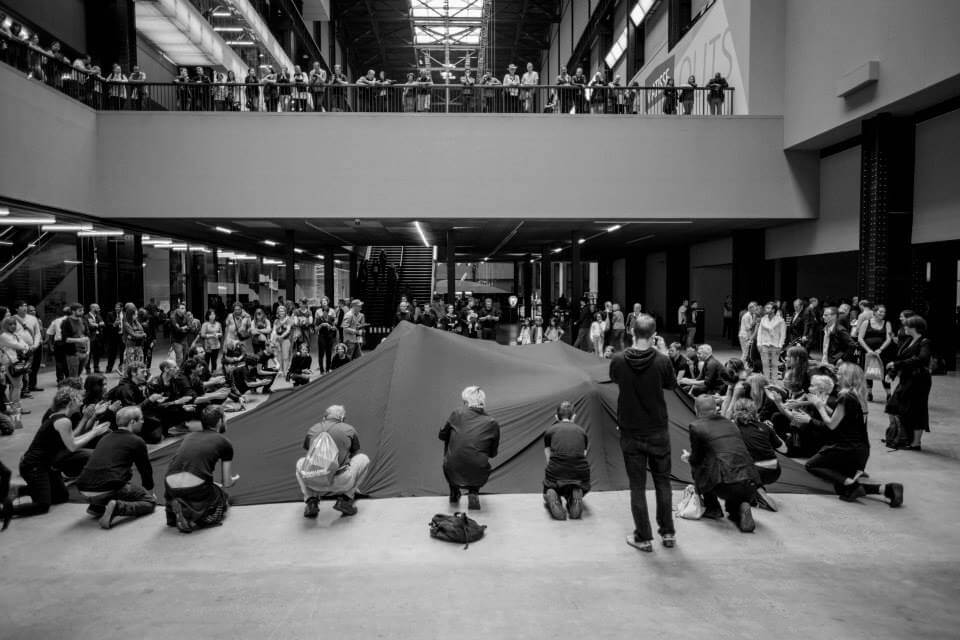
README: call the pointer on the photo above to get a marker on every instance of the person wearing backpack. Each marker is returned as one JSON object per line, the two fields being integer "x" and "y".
{"x": 470, "y": 438}
{"x": 333, "y": 465}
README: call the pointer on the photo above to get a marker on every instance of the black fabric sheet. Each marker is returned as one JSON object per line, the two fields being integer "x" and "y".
{"x": 399, "y": 396}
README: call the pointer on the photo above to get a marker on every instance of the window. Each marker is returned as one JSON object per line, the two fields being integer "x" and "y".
{"x": 639, "y": 11}
{"x": 457, "y": 25}
{"x": 616, "y": 51}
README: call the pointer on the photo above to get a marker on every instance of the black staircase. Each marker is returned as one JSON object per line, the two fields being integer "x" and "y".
{"x": 400, "y": 271}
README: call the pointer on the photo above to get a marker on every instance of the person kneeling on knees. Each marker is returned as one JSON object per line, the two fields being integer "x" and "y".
{"x": 721, "y": 465}
{"x": 193, "y": 499}
{"x": 470, "y": 438}
{"x": 105, "y": 481}
{"x": 333, "y": 465}
{"x": 567, "y": 474}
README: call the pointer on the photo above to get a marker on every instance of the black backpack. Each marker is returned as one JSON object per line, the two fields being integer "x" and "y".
{"x": 456, "y": 528}
{"x": 896, "y": 436}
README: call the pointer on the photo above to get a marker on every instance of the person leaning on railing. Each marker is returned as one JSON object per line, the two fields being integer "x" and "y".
{"x": 424, "y": 89}
{"x": 251, "y": 90}
{"x": 138, "y": 88}
{"x": 318, "y": 81}
{"x": 116, "y": 89}
{"x": 717, "y": 87}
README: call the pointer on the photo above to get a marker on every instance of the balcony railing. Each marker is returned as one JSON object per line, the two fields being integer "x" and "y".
{"x": 288, "y": 96}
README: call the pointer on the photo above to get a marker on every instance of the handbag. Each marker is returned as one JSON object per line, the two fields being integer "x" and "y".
{"x": 873, "y": 367}
{"x": 690, "y": 506}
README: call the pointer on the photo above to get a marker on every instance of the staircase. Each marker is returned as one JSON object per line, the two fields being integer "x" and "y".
{"x": 411, "y": 276}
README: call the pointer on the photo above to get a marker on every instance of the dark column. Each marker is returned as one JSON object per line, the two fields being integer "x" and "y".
{"x": 291, "y": 266}
{"x": 636, "y": 282}
{"x": 111, "y": 33}
{"x": 886, "y": 210}
{"x": 516, "y": 277}
{"x": 605, "y": 281}
{"x": 527, "y": 270}
{"x": 328, "y": 270}
{"x": 451, "y": 267}
{"x": 576, "y": 269}
{"x": 788, "y": 281}
{"x": 546, "y": 283}
{"x": 197, "y": 292}
{"x": 678, "y": 286}
{"x": 136, "y": 284}
{"x": 354, "y": 284}
{"x": 752, "y": 276}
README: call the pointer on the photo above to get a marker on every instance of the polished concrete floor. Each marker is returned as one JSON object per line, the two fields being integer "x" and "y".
{"x": 818, "y": 568}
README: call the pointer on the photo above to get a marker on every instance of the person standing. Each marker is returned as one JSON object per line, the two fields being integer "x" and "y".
{"x": 511, "y": 80}
{"x": 771, "y": 333}
{"x": 837, "y": 343}
{"x": 876, "y": 336}
{"x": 530, "y": 79}
{"x": 911, "y": 366}
{"x": 747, "y": 322}
{"x": 642, "y": 374}
{"x": 325, "y": 319}
{"x": 566, "y": 96}
{"x": 687, "y": 94}
{"x": 318, "y": 81}
{"x": 134, "y": 337}
{"x": 353, "y": 325}
{"x": 30, "y": 326}
{"x": 251, "y": 90}
{"x": 95, "y": 326}
{"x": 683, "y": 321}
{"x": 76, "y": 342}
{"x": 716, "y": 89}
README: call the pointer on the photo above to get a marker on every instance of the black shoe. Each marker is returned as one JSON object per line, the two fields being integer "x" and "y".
{"x": 7, "y": 513}
{"x": 345, "y": 506}
{"x": 669, "y": 540}
{"x": 32, "y": 389}
{"x": 643, "y": 545}
{"x": 713, "y": 514}
{"x": 746, "y": 523}
{"x": 853, "y": 492}
{"x": 24, "y": 412}
{"x": 25, "y": 396}
{"x": 575, "y": 504}
{"x": 312, "y": 510}
{"x": 106, "y": 520}
{"x": 473, "y": 501}
{"x": 552, "y": 502}
{"x": 454, "y": 495}
{"x": 909, "y": 447}
{"x": 894, "y": 493}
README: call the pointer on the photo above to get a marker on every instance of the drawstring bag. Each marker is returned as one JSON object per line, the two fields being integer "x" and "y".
{"x": 456, "y": 528}
{"x": 690, "y": 507}
{"x": 873, "y": 367}
{"x": 321, "y": 462}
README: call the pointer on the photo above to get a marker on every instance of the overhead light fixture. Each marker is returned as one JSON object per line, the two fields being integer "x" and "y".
{"x": 222, "y": 14}
{"x": 557, "y": 250}
{"x": 178, "y": 247}
{"x": 200, "y": 248}
{"x": 25, "y": 222}
{"x": 434, "y": 253}
{"x": 100, "y": 233}
{"x": 5, "y": 243}
{"x": 613, "y": 228}
{"x": 272, "y": 261}
{"x": 420, "y": 231}
{"x": 319, "y": 256}
{"x": 270, "y": 243}
{"x": 581, "y": 240}
{"x": 66, "y": 227}
{"x": 72, "y": 262}
{"x": 486, "y": 259}
{"x": 4, "y": 211}
{"x": 298, "y": 250}
{"x": 229, "y": 29}
{"x": 336, "y": 262}
{"x": 241, "y": 43}
{"x": 224, "y": 230}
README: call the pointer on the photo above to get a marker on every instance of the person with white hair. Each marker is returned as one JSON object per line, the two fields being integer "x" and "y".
{"x": 470, "y": 438}
{"x": 709, "y": 378}
{"x": 351, "y": 465}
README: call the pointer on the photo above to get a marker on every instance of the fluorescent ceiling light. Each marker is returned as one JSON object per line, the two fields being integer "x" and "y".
{"x": 4, "y": 211}
{"x": 200, "y": 248}
{"x": 581, "y": 240}
{"x": 646, "y": 237}
{"x": 557, "y": 250}
{"x": 178, "y": 247}
{"x": 23, "y": 221}
{"x": 72, "y": 262}
{"x": 270, "y": 243}
{"x": 222, "y": 14}
{"x": 229, "y": 29}
{"x": 613, "y": 228}
{"x": 486, "y": 259}
{"x": 66, "y": 227}
{"x": 5, "y": 243}
{"x": 241, "y": 43}
{"x": 319, "y": 257}
{"x": 297, "y": 250}
{"x": 224, "y": 230}
{"x": 101, "y": 232}
{"x": 272, "y": 261}
{"x": 420, "y": 231}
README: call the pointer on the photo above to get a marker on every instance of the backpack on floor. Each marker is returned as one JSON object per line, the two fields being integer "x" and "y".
{"x": 895, "y": 436}
{"x": 322, "y": 459}
{"x": 456, "y": 528}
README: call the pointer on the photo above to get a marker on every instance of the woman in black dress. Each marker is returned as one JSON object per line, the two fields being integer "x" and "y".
{"x": 911, "y": 367}
{"x": 875, "y": 336}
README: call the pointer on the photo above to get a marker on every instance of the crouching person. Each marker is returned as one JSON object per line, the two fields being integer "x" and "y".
{"x": 105, "y": 481}
{"x": 568, "y": 473}
{"x": 193, "y": 499}
{"x": 333, "y": 465}
{"x": 470, "y": 438}
{"x": 721, "y": 465}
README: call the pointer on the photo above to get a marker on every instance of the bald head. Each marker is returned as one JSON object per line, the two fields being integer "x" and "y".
{"x": 706, "y": 406}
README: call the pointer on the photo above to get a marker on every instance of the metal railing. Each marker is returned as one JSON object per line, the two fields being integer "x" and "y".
{"x": 420, "y": 97}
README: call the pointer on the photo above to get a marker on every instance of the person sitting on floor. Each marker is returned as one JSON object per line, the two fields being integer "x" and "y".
{"x": 55, "y": 449}
{"x": 709, "y": 378}
{"x": 351, "y": 465}
{"x": 129, "y": 392}
{"x": 763, "y": 443}
{"x": 843, "y": 460}
{"x": 244, "y": 378}
{"x": 177, "y": 392}
{"x": 300, "y": 364}
{"x": 682, "y": 366}
{"x": 568, "y": 472}
{"x": 340, "y": 356}
{"x": 470, "y": 438}
{"x": 105, "y": 481}
{"x": 212, "y": 391}
{"x": 721, "y": 465}
{"x": 193, "y": 499}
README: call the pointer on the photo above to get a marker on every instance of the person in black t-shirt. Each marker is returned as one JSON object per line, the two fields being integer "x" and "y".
{"x": 642, "y": 373}
{"x": 193, "y": 499}
{"x": 105, "y": 481}
{"x": 73, "y": 330}
{"x": 568, "y": 472}
{"x": 763, "y": 443}
{"x": 299, "y": 372}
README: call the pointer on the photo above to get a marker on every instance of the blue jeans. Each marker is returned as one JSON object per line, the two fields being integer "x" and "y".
{"x": 639, "y": 454}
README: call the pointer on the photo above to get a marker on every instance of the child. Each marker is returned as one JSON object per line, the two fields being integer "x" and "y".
{"x": 340, "y": 356}
{"x": 299, "y": 372}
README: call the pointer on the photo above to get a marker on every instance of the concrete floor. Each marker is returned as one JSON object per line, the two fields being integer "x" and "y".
{"x": 819, "y": 568}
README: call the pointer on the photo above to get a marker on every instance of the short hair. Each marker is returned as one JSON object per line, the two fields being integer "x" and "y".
{"x": 706, "y": 349}
{"x": 906, "y": 313}
{"x": 211, "y": 417}
{"x": 644, "y": 326}
{"x": 744, "y": 410}
{"x": 676, "y": 345}
{"x": 126, "y": 415}
{"x": 705, "y": 405}
{"x": 74, "y": 306}
{"x": 822, "y": 381}
{"x": 132, "y": 369}
{"x": 335, "y": 412}
{"x": 916, "y": 322}
{"x": 474, "y": 397}
{"x": 64, "y": 396}
{"x": 167, "y": 364}
{"x": 831, "y": 310}
{"x": 565, "y": 410}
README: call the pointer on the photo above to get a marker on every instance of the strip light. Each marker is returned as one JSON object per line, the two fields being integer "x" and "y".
{"x": 224, "y": 230}
{"x": 101, "y": 232}
{"x": 4, "y": 211}
{"x": 67, "y": 227}
{"x": 19, "y": 221}
{"x": 613, "y": 228}
{"x": 420, "y": 231}
{"x": 270, "y": 243}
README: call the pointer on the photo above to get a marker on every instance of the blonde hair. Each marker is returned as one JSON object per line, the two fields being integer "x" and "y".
{"x": 744, "y": 410}
{"x": 851, "y": 380}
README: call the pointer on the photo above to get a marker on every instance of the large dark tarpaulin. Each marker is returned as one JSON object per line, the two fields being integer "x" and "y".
{"x": 399, "y": 396}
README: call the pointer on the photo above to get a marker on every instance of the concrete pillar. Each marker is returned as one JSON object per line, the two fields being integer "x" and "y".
{"x": 546, "y": 282}
{"x": 451, "y": 242}
{"x": 328, "y": 271}
{"x": 291, "y": 268}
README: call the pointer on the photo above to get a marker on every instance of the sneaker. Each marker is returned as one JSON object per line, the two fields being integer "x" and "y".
{"x": 345, "y": 506}
{"x": 552, "y": 502}
{"x": 454, "y": 495}
{"x": 746, "y": 523}
{"x": 894, "y": 493}
{"x": 183, "y": 525}
{"x": 25, "y": 396}
{"x": 106, "y": 520}
{"x": 94, "y": 512}
{"x": 575, "y": 504}
{"x": 643, "y": 545}
{"x": 852, "y": 492}
{"x": 312, "y": 510}
{"x": 473, "y": 501}
{"x": 764, "y": 501}
{"x": 669, "y": 540}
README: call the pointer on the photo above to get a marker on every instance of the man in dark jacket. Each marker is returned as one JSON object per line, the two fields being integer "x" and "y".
{"x": 105, "y": 480}
{"x": 837, "y": 343}
{"x": 470, "y": 438}
{"x": 642, "y": 373}
{"x": 721, "y": 465}
{"x": 709, "y": 378}
{"x": 129, "y": 393}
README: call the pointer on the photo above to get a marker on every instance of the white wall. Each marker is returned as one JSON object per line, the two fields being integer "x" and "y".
{"x": 916, "y": 43}
{"x": 377, "y": 169}
{"x": 936, "y": 204}
{"x": 838, "y": 228}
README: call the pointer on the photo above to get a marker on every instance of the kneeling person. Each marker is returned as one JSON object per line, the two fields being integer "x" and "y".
{"x": 568, "y": 473}
{"x": 193, "y": 499}
{"x": 470, "y": 438}
{"x": 351, "y": 465}
{"x": 105, "y": 481}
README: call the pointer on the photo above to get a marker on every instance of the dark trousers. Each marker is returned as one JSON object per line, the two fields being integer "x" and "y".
{"x": 640, "y": 454}
{"x": 34, "y": 368}
{"x": 835, "y": 463}
{"x": 131, "y": 501}
{"x": 353, "y": 350}
{"x": 211, "y": 358}
{"x": 768, "y": 476}
{"x": 733, "y": 495}
{"x": 113, "y": 350}
{"x": 45, "y": 487}
{"x": 60, "y": 360}
{"x": 96, "y": 354}
{"x": 148, "y": 353}
{"x": 325, "y": 341}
